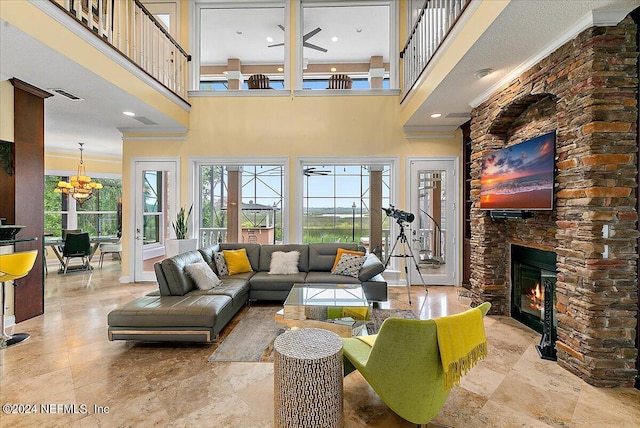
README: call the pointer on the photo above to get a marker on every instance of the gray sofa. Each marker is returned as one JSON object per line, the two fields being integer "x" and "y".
{"x": 179, "y": 311}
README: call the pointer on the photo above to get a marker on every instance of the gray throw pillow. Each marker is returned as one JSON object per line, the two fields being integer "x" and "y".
{"x": 202, "y": 275}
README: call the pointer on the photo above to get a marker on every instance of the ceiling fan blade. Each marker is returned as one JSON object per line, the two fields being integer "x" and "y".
{"x": 281, "y": 27}
{"x": 277, "y": 44}
{"x": 318, "y": 48}
{"x": 311, "y": 34}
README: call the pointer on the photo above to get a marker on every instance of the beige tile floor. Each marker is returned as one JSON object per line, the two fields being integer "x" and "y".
{"x": 69, "y": 361}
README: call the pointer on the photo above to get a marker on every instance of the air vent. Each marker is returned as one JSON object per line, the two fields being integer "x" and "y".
{"x": 459, "y": 115}
{"x": 144, "y": 120}
{"x": 66, "y": 94}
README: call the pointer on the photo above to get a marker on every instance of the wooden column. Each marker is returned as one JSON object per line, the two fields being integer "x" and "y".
{"x": 376, "y": 72}
{"x": 234, "y": 75}
{"x": 375, "y": 212}
{"x": 28, "y": 192}
{"x": 234, "y": 204}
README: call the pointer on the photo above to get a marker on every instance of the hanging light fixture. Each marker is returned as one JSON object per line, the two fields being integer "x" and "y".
{"x": 80, "y": 187}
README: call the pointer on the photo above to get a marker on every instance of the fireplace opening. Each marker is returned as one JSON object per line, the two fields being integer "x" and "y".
{"x": 533, "y": 296}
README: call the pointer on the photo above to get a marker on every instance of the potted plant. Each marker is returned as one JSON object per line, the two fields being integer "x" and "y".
{"x": 181, "y": 244}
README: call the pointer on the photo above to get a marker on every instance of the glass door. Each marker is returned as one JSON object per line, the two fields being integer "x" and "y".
{"x": 156, "y": 204}
{"x": 433, "y": 233}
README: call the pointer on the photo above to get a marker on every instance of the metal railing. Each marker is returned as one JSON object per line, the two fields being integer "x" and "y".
{"x": 435, "y": 20}
{"x": 131, "y": 29}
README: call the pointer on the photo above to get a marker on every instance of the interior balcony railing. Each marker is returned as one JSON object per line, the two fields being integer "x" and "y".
{"x": 131, "y": 29}
{"x": 434, "y": 21}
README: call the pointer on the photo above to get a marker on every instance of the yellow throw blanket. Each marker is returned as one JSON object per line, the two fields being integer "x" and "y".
{"x": 369, "y": 339}
{"x": 462, "y": 344}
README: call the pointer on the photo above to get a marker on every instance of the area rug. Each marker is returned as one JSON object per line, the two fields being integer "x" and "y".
{"x": 379, "y": 315}
{"x": 250, "y": 339}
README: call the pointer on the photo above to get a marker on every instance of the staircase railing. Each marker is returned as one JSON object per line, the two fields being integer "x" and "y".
{"x": 131, "y": 29}
{"x": 434, "y": 21}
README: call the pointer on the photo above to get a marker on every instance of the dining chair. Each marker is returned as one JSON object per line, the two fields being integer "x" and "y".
{"x": 110, "y": 248}
{"x": 340, "y": 81}
{"x": 258, "y": 81}
{"x": 77, "y": 245}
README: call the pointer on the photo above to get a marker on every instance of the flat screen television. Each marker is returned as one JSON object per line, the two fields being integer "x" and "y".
{"x": 520, "y": 177}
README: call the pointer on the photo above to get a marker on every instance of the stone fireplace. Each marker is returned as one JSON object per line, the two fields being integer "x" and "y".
{"x": 585, "y": 91}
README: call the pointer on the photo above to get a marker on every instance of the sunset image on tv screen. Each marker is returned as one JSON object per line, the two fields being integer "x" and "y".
{"x": 520, "y": 176}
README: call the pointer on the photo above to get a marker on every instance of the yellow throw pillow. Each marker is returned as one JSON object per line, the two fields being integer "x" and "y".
{"x": 237, "y": 261}
{"x": 342, "y": 251}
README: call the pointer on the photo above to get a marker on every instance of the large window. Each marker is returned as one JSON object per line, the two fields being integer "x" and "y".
{"x": 241, "y": 38}
{"x": 237, "y": 42}
{"x": 346, "y": 38}
{"x": 336, "y": 203}
{"x": 100, "y": 216}
{"x": 262, "y": 202}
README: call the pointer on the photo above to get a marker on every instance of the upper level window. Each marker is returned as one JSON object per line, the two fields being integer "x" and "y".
{"x": 236, "y": 43}
{"x": 348, "y": 38}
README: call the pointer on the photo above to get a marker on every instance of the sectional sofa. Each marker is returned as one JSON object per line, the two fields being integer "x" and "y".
{"x": 183, "y": 310}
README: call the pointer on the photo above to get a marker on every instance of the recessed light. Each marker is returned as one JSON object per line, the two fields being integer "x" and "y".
{"x": 280, "y": 69}
{"x": 239, "y": 33}
{"x": 436, "y": 115}
{"x": 358, "y": 30}
{"x": 334, "y": 39}
{"x": 333, "y": 69}
{"x": 128, "y": 113}
{"x": 482, "y": 73}
{"x": 269, "y": 39}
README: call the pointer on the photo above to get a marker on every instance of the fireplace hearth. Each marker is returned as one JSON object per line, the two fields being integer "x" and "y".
{"x": 533, "y": 297}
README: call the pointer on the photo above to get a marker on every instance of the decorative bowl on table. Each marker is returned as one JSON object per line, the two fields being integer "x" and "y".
{"x": 9, "y": 231}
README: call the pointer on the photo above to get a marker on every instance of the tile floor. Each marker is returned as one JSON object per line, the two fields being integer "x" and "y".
{"x": 69, "y": 362}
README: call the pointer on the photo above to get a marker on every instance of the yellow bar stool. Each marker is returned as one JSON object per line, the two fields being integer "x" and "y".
{"x": 14, "y": 266}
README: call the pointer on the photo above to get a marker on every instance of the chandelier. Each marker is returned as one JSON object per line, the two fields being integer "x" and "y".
{"x": 80, "y": 186}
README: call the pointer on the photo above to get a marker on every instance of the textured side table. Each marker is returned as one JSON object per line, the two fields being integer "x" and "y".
{"x": 307, "y": 372}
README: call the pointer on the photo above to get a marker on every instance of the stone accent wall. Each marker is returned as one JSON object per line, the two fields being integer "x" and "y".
{"x": 586, "y": 92}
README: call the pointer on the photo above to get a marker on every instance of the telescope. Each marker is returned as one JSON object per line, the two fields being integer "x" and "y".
{"x": 399, "y": 214}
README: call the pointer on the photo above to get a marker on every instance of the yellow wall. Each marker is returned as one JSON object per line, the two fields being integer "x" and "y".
{"x": 6, "y": 111}
{"x": 95, "y": 165}
{"x": 349, "y": 127}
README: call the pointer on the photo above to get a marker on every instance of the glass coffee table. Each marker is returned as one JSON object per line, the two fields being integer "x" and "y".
{"x": 341, "y": 308}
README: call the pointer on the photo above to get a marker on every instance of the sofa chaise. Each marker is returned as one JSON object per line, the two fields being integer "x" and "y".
{"x": 181, "y": 310}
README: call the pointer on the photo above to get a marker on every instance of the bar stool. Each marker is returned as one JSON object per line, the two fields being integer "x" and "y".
{"x": 14, "y": 266}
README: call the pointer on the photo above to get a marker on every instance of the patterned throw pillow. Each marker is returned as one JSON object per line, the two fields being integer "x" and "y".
{"x": 221, "y": 263}
{"x": 342, "y": 251}
{"x": 349, "y": 265}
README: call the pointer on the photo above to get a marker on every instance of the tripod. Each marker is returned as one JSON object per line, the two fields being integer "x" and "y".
{"x": 402, "y": 239}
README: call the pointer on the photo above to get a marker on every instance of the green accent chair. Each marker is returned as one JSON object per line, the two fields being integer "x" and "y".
{"x": 403, "y": 366}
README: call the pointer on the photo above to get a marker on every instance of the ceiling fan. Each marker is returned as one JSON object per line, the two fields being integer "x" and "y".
{"x": 312, "y": 170}
{"x": 304, "y": 40}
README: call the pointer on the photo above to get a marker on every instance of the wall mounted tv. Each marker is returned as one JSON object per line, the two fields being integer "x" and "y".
{"x": 520, "y": 177}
